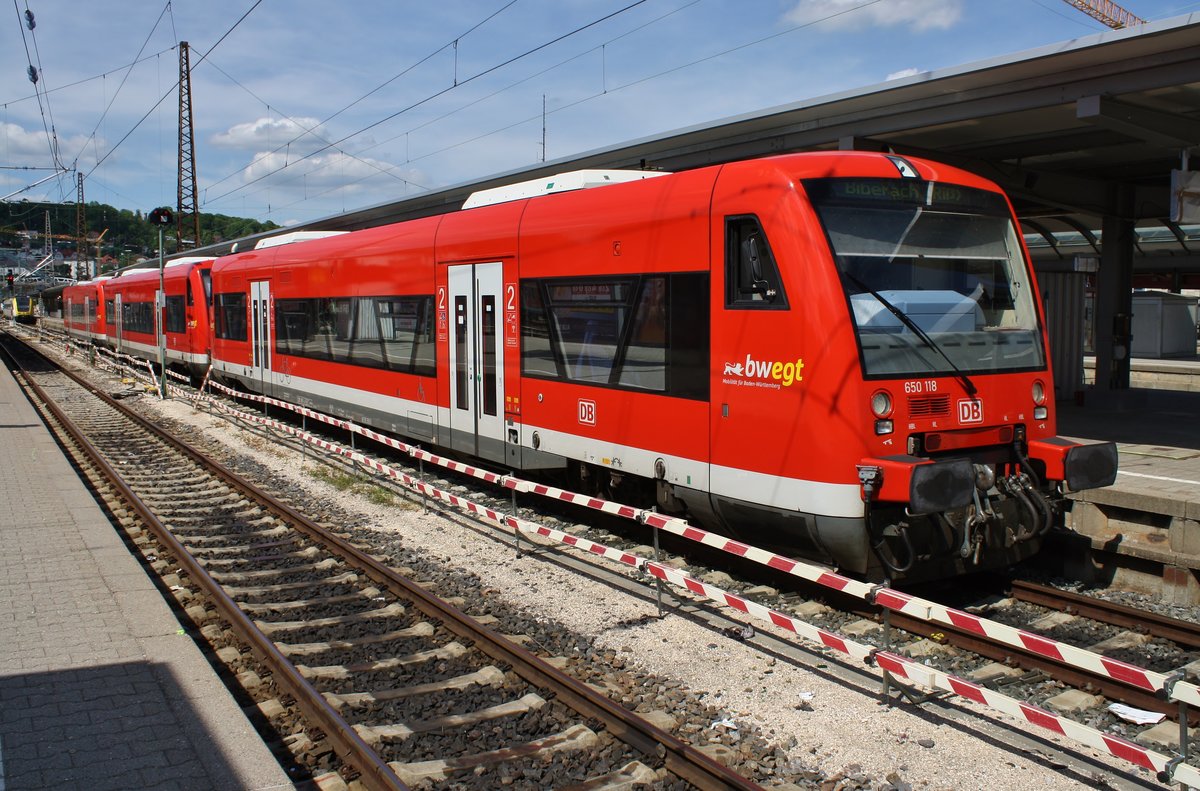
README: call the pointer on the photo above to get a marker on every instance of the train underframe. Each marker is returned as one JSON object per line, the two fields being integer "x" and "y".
{"x": 1009, "y": 513}
{"x": 1000, "y": 521}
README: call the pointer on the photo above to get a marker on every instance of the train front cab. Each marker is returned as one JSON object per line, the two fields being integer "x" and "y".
{"x": 187, "y": 314}
{"x": 21, "y": 308}
{"x": 889, "y": 365}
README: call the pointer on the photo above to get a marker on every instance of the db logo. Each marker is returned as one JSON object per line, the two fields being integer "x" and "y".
{"x": 587, "y": 412}
{"x": 970, "y": 411}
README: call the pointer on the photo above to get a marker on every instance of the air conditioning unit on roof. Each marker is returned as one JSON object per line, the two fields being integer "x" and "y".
{"x": 560, "y": 182}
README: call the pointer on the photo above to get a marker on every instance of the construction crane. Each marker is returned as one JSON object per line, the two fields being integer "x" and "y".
{"x": 1107, "y": 12}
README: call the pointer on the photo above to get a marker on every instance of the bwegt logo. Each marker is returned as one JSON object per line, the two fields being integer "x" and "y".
{"x": 786, "y": 374}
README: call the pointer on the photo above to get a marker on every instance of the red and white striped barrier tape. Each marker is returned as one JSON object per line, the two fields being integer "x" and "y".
{"x": 1174, "y": 689}
{"x": 1169, "y": 769}
{"x": 1124, "y": 672}
{"x": 682, "y": 528}
{"x": 404, "y": 447}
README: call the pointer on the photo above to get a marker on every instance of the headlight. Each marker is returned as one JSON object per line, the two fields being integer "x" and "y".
{"x": 1039, "y": 392}
{"x": 881, "y": 403}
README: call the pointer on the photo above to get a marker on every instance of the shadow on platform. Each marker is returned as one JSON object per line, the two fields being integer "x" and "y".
{"x": 1166, "y": 418}
{"x": 106, "y": 728}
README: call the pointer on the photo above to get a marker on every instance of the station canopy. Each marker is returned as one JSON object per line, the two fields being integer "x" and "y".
{"x": 1074, "y": 132}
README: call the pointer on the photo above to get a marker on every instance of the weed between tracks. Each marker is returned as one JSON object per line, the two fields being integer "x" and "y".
{"x": 348, "y": 482}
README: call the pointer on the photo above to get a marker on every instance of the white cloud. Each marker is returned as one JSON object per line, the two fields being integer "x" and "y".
{"x": 319, "y": 171}
{"x": 269, "y": 132}
{"x": 917, "y": 15}
{"x": 31, "y": 147}
{"x": 899, "y": 75}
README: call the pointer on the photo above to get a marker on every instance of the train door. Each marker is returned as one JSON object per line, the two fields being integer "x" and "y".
{"x": 88, "y": 330}
{"x": 118, "y": 321}
{"x": 476, "y": 359}
{"x": 260, "y": 333}
{"x": 160, "y": 320}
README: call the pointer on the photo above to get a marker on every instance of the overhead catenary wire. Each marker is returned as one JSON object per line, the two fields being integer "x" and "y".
{"x": 308, "y": 130}
{"x": 606, "y": 90}
{"x": 128, "y": 71}
{"x": 442, "y": 92}
{"x": 35, "y": 73}
{"x": 172, "y": 89}
{"x": 85, "y": 80}
{"x": 420, "y": 61}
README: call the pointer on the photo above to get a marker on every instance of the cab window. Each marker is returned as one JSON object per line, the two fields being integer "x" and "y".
{"x": 751, "y": 276}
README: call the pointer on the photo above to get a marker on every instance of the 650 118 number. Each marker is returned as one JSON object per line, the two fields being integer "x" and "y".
{"x": 920, "y": 386}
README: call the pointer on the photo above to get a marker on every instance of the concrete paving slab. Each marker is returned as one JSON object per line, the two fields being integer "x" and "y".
{"x": 100, "y": 689}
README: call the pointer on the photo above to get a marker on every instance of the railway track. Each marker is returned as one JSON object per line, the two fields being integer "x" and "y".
{"x": 969, "y": 653}
{"x": 372, "y": 675}
{"x": 1180, "y": 632}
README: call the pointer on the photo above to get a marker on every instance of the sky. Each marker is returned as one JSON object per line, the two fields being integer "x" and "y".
{"x": 305, "y": 109}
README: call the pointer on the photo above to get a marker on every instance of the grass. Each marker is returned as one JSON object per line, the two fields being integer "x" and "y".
{"x": 348, "y": 482}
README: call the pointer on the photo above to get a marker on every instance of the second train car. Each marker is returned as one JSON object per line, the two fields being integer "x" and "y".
{"x": 838, "y": 354}
{"x": 119, "y": 312}
{"x": 182, "y": 322}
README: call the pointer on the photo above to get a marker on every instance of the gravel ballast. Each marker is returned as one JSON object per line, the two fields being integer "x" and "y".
{"x": 823, "y": 722}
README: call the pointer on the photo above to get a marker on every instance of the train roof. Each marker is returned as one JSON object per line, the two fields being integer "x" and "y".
{"x": 292, "y": 238}
{"x": 559, "y": 182}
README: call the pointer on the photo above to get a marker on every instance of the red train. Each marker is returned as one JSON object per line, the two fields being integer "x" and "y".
{"x": 91, "y": 309}
{"x": 839, "y": 353}
{"x": 84, "y": 314}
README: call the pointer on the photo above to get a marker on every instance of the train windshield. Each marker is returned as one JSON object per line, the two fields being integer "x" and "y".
{"x": 933, "y": 274}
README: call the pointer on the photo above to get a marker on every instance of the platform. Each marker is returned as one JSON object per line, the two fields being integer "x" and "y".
{"x": 100, "y": 686}
{"x": 1152, "y": 512}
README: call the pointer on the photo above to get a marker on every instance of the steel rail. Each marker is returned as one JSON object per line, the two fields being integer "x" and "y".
{"x": 349, "y": 745}
{"x": 1183, "y": 633}
{"x": 679, "y": 757}
{"x": 1070, "y": 674}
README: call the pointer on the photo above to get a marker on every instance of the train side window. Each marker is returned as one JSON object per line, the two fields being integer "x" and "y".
{"x": 406, "y": 333}
{"x": 230, "y": 316}
{"x": 589, "y": 318}
{"x": 176, "y": 320}
{"x": 537, "y": 353}
{"x": 689, "y": 332}
{"x": 206, "y": 281}
{"x": 293, "y": 326}
{"x": 138, "y": 317}
{"x": 395, "y": 333}
{"x": 110, "y": 313}
{"x": 751, "y": 275}
{"x": 644, "y": 361}
{"x": 640, "y": 332}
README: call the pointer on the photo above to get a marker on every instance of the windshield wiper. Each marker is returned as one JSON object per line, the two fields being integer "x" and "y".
{"x": 907, "y": 321}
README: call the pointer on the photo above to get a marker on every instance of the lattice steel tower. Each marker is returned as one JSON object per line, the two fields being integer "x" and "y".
{"x": 81, "y": 245}
{"x": 187, "y": 219}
